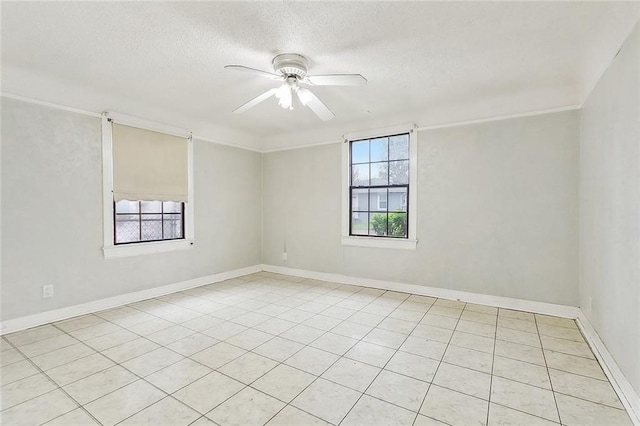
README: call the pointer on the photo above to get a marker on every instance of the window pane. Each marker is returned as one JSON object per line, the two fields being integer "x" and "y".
{"x": 378, "y": 200}
{"x": 379, "y": 173}
{"x": 359, "y": 152}
{"x": 359, "y": 200}
{"x": 126, "y": 206}
{"x": 127, "y": 228}
{"x": 151, "y": 206}
{"x": 379, "y": 149}
{"x": 171, "y": 207}
{"x": 172, "y": 226}
{"x": 399, "y": 147}
{"x": 398, "y": 172}
{"x": 360, "y": 175}
{"x": 397, "y": 199}
{"x": 359, "y": 223}
{"x": 397, "y": 224}
{"x": 378, "y": 224}
{"x": 152, "y": 227}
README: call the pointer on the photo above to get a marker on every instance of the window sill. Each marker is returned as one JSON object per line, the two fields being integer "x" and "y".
{"x": 138, "y": 249}
{"x": 390, "y": 243}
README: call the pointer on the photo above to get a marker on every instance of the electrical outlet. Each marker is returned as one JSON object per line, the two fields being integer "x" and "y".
{"x": 284, "y": 256}
{"x": 47, "y": 291}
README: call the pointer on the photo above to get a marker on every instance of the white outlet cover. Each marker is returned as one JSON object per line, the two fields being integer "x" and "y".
{"x": 284, "y": 256}
{"x": 47, "y": 291}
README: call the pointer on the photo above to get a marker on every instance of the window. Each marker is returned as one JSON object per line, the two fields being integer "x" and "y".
{"x": 139, "y": 221}
{"x": 380, "y": 188}
{"x": 147, "y": 187}
{"x": 380, "y": 184}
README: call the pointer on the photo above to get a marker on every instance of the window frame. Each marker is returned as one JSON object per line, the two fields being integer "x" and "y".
{"x": 408, "y": 243}
{"x": 110, "y": 248}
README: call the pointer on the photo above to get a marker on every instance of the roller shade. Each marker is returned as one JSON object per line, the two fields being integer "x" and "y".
{"x": 149, "y": 165}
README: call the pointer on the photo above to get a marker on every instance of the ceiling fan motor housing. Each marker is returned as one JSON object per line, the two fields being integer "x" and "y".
{"x": 291, "y": 64}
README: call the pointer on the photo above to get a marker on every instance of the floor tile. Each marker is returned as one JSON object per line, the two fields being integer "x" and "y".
{"x": 516, "y": 324}
{"x": 17, "y": 371}
{"x": 130, "y": 350}
{"x": 566, "y": 346}
{"x": 224, "y": 330}
{"x": 124, "y": 402}
{"x": 386, "y": 338}
{"x": 463, "y": 357}
{"x": 352, "y": 374}
{"x": 38, "y": 410}
{"x": 398, "y": 325}
{"x": 152, "y": 361}
{"x": 454, "y": 408}
{"x": 284, "y": 382}
{"x": 178, "y": 375}
{"x": 472, "y": 341}
{"x": 478, "y": 317}
{"x": 524, "y": 316}
{"x": 77, "y": 417}
{"x": 439, "y": 321}
{"x": 423, "y": 347}
{"x": 334, "y": 343}
{"x": 523, "y": 372}
{"x": 312, "y": 360}
{"x": 248, "y": 367}
{"x": 351, "y": 329}
{"x": 24, "y": 390}
{"x": 208, "y": 391}
{"x": 167, "y": 411}
{"x": 484, "y": 330}
{"x": 503, "y": 416}
{"x": 77, "y": 323}
{"x": 445, "y": 311}
{"x": 302, "y": 334}
{"x": 593, "y": 390}
{"x": 365, "y": 318}
{"x": 218, "y": 355}
{"x": 251, "y": 319}
{"x": 192, "y": 344}
{"x": 483, "y": 309}
{"x": 463, "y": 380}
{"x": 149, "y": 327}
{"x": 110, "y": 340}
{"x": 79, "y": 369}
{"x": 520, "y": 352}
{"x": 560, "y": 332}
{"x": 202, "y": 323}
{"x": 370, "y": 411}
{"x": 276, "y": 326}
{"x": 32, "y": 335}
{"x": 278, "y": 348}
{"x": 322, "y": 322}
{"x": 369, "y": 353}
{"x": 326, "y": 400}
{"x": 530, "y": 399}
{"x": 95, "y": 331}
{"x": 249, "y": 339}
{"x": 413, "y": 365}
{"x": 10, "y": 356}
{"x": 291, "y": 416}
{"x": 574, "y": 364}
{"x": 99, "y": 384}
{"x": 516, "y": 336}
{"x": 557, "y": 321}
{"x": 248, "y": 407}
{"x": 427, "y": 421}
{"x": 47, "y": 345}
{"x": 399, "y": 390}
{"x": 408, "y": 311}
{"x": 430, "y": 332}
{"x": 578, "y": 412}
{"x": 62, "y": 356}
{"x": 170, "y": 334}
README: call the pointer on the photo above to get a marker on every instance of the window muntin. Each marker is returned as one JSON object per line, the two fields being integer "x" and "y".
{"x": 379, "y": 186}
{"x": 145, "y": 221}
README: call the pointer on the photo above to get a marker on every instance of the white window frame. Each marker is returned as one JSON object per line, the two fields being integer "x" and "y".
{"x": 409, "y": 243}
{"x": 110, "y": 249}
{"x": 380, "y": 201}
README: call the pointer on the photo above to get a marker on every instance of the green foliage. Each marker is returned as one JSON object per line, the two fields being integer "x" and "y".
{"x": 397, "y": 224}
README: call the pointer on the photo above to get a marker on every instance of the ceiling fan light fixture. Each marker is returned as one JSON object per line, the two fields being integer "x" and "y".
{"x": 284, "y": 96}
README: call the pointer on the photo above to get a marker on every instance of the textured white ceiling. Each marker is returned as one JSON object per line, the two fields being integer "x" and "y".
{"x": 426, "y": 62}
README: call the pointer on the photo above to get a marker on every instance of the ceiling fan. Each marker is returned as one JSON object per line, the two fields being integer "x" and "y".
{"x": 291, "y": 69}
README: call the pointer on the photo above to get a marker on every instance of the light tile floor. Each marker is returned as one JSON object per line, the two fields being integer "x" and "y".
{"x": 279, "y": 350}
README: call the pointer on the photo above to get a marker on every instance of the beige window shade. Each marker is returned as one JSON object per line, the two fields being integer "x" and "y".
{"x": 149, "y": 165}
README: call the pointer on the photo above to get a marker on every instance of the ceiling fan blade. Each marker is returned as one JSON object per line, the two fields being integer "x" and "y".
{"x": 336, "y": 80}
{"x": 316, "y": 106}
{"x": 261, "y": 73}
{"x": 255, "y": 101}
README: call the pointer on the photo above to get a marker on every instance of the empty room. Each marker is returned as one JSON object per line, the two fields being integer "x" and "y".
{"x": 320, "y": 213}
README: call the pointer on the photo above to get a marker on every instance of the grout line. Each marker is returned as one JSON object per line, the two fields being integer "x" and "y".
{"x": 548, "y": 375}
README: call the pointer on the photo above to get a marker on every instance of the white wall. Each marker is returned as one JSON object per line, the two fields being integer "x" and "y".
{"x": 497, "y": 211}
{"x": 52, "y": 214}
{"x": 610, "y": 208}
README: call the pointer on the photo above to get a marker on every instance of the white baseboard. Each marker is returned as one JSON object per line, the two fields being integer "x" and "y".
{"x": 443, "y": 293}
{"x": 47, "y": 317}
{"x": 628, "y": 396}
